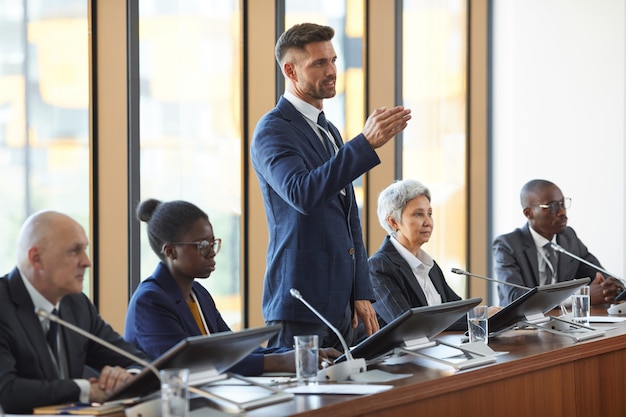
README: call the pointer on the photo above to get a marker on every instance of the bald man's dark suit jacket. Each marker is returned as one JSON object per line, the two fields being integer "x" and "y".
{"x": 28, "y": 375}
{"x": 515, "y": 257}
{"x": 396, "y": 287}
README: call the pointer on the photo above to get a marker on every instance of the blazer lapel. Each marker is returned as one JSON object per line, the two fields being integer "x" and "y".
{"x": 297, "y": 120}
{"x": 405, "y": 271}
{"x": 530, "y": 252}
{"x": 165, "y": 280}
{"x": 566, "y": 266}
{"x": 73, "y": 343}
{"x": 25, "y": 314}
{"x": 437, "y": 282}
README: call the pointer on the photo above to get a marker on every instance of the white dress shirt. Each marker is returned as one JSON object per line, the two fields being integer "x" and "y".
{"x": 545, "y": 267}
{"x": 420, "y": 266}
{"x": 40, "y": 302}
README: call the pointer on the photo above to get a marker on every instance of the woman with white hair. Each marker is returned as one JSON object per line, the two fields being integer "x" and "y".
{"x": 402, "y": 273}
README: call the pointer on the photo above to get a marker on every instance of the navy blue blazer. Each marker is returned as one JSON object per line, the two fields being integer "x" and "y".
{"x": 515, "y": 257}
{"x": 395, "y": 285}
{"x": 158, "y": 318}
{"x": 28, "y": 375}
{"x": 315, "y": 242}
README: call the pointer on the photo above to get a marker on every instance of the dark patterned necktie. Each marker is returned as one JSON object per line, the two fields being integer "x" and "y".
{"x": 323, "y": 123}
{"x": 551, "y": 257}
{"x": 51, "y": 336}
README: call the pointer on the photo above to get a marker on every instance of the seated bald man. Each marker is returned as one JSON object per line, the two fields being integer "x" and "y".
{"x": 51, "y": 263}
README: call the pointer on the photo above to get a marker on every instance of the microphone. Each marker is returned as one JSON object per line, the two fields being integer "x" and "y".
{"x": 462, "y": 272}
{"x": 621, "y": 296}
{"x": 578, "y": 258}
{"x": 53, "y": 317}
{"x": 341, "y": 371}
{"x": 41, "y": 312}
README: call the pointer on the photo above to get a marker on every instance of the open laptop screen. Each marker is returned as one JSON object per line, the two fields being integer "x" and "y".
{"x": 206, "y": 357}
{"x": 538, "y": 301}
{"x": 418, "y": 323}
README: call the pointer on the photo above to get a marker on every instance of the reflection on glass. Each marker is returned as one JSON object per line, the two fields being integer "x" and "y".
{"x": 346, "y": 109}
{"x": 191, "y": 139}
{"x": 44, "y": 115}
{"x": 434, "y": 144}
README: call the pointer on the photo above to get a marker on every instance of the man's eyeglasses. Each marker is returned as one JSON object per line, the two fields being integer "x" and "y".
{"x": 555, "y": 206}
{"x": 204, "y": 246}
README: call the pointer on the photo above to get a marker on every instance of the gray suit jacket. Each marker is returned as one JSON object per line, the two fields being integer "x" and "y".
{"x": 28, "y": 375}
{"x": 515, "y": 257}
{"x": 395, "y": 285}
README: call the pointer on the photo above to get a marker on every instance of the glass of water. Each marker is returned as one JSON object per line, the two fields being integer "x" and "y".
{"x": 581, "y": 305}
{"x": 307, "y": 352}
{"x": 477, "y": 324}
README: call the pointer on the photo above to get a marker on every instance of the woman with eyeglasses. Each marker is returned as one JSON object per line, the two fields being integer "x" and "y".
{"x": 171, "y": 304}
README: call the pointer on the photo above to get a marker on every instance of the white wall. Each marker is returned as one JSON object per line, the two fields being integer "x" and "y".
{"x": 558, "y": 111}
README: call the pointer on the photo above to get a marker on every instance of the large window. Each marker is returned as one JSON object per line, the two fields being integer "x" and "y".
{"x": 434, "y": 145}
{"x": 190, "y": 125}
{"x": 559, "y": 113}
{"x": 44, "y": 114}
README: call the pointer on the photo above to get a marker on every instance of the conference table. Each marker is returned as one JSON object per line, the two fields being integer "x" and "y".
{"x": 536, "y": 373}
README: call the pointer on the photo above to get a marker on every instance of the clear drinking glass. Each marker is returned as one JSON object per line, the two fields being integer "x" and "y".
{"x": 477, "y": 324}
{"x": 174, "y": 392}
{"x": 307, "y": 351}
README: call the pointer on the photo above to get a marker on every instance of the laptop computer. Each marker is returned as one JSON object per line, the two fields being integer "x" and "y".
{"x": 418, "y": 323}
{"x": 207, "y": 357}
{"x": 536, "y": 302}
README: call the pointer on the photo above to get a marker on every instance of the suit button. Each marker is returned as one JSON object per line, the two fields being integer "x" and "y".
{"x": 351, "y": 251}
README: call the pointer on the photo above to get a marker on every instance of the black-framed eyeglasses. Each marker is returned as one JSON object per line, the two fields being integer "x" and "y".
{"x": 204, "y": 246}
{"x": 555, "y": 206}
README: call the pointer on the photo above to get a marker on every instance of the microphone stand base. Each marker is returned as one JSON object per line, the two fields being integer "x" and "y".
{"x": 617, "y": 309}
{"x": 563, "y": 327}
{"x": 342, "y": 371}
{"x": 475, "y": 354}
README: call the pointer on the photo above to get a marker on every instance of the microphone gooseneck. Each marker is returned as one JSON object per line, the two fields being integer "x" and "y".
{"x": 296, "y": 294}
{"x": 342, "y": 371}
{"x": 578, "y": 258}
{"x": 469, "y": 274}
{"x": 100, "y": 341}
{"x": 621, "y": 296}
{"x": 114, "y": 348}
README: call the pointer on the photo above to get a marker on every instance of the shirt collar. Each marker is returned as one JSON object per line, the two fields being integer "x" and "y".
{"x": 39, "y": 301}
{"x": 540, "y": 241}
{"x": 413, "y": 261}
{"x": 309, "y": 111}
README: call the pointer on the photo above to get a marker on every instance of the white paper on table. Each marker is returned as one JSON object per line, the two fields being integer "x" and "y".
{"x": 354, "y": 389}
{"x": 606, "y": 319}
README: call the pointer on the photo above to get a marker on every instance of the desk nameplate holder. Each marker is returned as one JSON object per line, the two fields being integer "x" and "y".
{"x": 222, "y": 405}
{"x": 559, "y": 326}
{"x": 477, "y": 353}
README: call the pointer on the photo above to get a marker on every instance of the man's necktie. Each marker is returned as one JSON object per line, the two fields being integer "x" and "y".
{"x": 51, "y": 336}
{"x": 330, "y": 146}
{"x": 551, "y": 258}
{"x": 323, "y": 123}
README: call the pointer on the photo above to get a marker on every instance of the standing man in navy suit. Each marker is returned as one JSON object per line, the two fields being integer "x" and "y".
{"x": 305, "y": 172}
